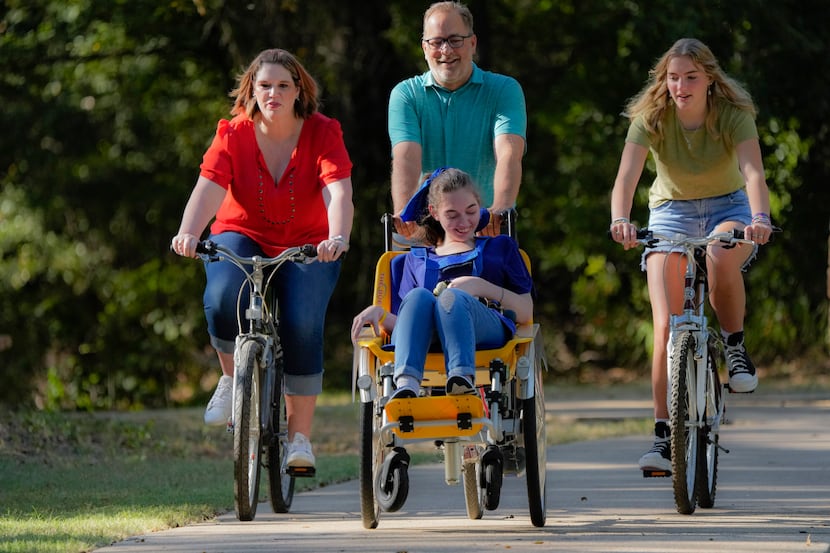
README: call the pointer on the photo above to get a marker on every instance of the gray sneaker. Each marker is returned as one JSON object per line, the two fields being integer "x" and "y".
{"x": 659, "y": 456}
{"x": 221, "y": 404}
{"x": 458, "y": 384}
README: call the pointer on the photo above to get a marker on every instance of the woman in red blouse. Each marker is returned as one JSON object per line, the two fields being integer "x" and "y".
{"x": 277, "y": 175}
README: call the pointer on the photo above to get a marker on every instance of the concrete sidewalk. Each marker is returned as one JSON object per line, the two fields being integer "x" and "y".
{"x": 773, "y": 496}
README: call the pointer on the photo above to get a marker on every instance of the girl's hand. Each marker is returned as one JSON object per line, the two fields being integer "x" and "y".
{"x": 373, "y": 315}
{"x": 760, "y": 233}
{"x": 623, "y": 232}
{"x": 475, "y": 286}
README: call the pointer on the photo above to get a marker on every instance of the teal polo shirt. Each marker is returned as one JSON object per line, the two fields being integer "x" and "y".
{"x": 457, "y": 128}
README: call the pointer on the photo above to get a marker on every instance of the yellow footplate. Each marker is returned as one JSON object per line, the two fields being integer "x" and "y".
{"x": 436, "y": 417}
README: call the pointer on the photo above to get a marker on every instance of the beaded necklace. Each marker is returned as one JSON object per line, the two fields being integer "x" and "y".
{"x": 261, "y": 197}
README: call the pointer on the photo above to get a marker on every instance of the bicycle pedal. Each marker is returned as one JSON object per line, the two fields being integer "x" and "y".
{"x": 301, "y": 472}
{"x": 656, "y": 473}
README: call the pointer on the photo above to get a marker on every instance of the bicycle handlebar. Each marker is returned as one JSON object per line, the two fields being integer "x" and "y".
{"x": 211, "y": 250}
{"x": 649, "y": 238}
{"x": 730, "y": 238}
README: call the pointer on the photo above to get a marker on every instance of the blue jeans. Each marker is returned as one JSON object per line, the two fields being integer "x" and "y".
{"x": 461, "y": 322}
{"x": 302, "y": 291}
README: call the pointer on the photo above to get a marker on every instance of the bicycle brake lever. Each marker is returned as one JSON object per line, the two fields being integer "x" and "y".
{"x": 737, "y": 234}
{"x": 207, "y": 247}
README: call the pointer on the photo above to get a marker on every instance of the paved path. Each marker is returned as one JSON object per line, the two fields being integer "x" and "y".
{"x": 773, "y": 496}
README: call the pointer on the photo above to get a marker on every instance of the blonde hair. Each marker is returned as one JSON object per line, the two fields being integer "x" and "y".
{"x": 653, "y": 100}
{"x": 243, "y": 95}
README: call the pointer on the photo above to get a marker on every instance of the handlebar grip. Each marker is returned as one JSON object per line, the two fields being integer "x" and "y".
{"x": 309, "y": 250}
{"x": 642, "y": 234}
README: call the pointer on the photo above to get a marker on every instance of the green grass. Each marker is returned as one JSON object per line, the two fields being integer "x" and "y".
{"x": 74, "y": 482}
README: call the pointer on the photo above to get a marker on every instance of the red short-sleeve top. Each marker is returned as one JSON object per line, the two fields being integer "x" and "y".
{"x": 292, "y": 211}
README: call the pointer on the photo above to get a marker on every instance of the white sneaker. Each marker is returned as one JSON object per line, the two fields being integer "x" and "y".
{"x": 299, "y": 452}
{"x": 220, "y": 405}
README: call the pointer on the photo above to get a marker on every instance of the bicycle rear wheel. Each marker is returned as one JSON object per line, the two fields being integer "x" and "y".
{"x": 369, "y": 462}
{"x": 247, "y": 435}
{"x": 683, "y": 419}
{"x": 281, "y": 484}
{"x": 707, "y": 478}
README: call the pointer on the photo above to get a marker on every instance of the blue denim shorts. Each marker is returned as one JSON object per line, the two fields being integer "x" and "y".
{"x": 696, "y": 218}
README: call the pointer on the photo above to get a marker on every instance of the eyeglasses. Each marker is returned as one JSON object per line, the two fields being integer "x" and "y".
{"x": 455, "y": 41}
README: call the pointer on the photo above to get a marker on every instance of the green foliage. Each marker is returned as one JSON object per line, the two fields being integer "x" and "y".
{"x": 109, "y": 106}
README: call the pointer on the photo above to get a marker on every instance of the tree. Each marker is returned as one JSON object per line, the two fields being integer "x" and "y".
{"x": 108, "y": 107}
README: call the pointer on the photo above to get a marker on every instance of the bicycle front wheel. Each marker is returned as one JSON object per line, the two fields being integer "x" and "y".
{"x": 683, "y": 422}
{"x": 535, "y": 443}
{"x": 280, "y": 482}
{"x": 707, "y": 478}
{"x": 247, "y": 435}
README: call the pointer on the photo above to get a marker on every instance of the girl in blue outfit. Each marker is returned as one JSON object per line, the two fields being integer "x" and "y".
{"x": 468, "y": 291}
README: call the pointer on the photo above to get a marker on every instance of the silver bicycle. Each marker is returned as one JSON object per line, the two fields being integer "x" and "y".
{"x": 695, "y": 393}
{"x": 260, "y": 434}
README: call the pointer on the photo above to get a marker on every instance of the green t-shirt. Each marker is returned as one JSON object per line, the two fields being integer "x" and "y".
{"x": 693, "y": 164}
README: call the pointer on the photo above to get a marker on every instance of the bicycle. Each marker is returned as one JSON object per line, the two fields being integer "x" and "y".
{"x": 695, "y": 393}
{"x": 260, "y": 435}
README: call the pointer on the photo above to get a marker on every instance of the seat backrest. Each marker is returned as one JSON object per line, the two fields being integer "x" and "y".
{"x": 396, "y": 271}
{"x": 388, "y": 273}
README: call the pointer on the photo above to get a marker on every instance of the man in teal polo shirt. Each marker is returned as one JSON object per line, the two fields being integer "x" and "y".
{"x": 456, "y": 115}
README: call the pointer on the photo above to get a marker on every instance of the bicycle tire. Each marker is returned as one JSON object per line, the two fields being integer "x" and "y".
{"x": 472, "y": 491}
{"x": 247, "y": 435}
{"x": 534, "y": 432}
{"x": 684, "y": 438}
{"x": 392, "y": 491}
{"x": 710, "y": 433}
{"x": 280, "y": 483}
{"x": 369, "y": 508}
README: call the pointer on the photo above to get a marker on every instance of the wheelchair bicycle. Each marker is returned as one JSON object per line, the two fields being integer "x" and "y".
{"x": 500, "y": 431}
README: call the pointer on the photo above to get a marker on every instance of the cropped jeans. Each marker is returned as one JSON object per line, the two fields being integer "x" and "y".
{"x": 302, "y": 291}
{"x": 461, "y": 322}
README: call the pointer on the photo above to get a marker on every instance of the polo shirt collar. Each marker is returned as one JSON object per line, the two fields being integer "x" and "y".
{"x": 476, "y": 77}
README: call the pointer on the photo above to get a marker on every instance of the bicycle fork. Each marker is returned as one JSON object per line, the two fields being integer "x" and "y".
{"x": 254, "y": 315}
{"x": 693, "y": 320}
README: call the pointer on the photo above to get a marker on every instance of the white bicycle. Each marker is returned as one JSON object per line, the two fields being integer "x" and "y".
{"x": 695, "y": 393}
